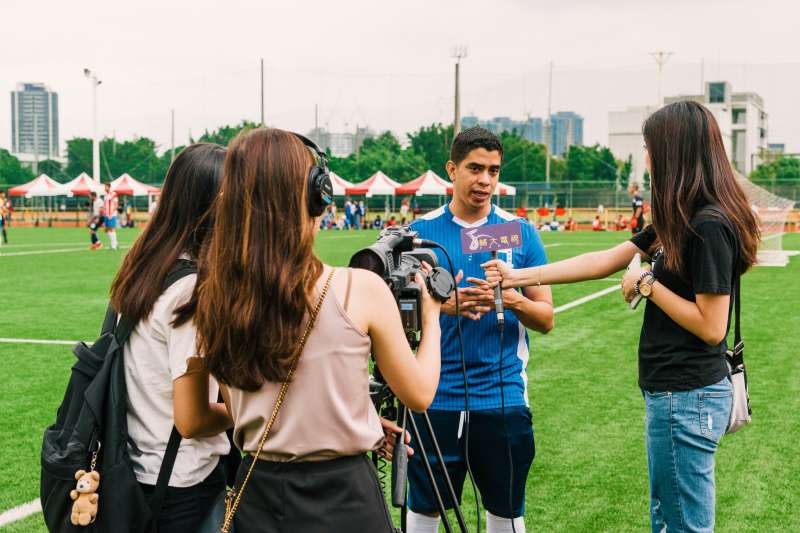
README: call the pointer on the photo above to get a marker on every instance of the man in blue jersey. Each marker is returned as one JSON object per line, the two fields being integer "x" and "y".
{"x": 499, "y": 417}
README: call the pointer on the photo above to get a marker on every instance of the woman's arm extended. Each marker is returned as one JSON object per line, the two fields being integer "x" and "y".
{"x": 591, "y": 265}
{"x": 413, "y": 379}
{"x": 195, "y": 415}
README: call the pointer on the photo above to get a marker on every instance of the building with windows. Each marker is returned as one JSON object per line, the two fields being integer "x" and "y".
{"x": 531, "y": 129}
{"x": 741, "y": 117}
{"x": 340, "y": 144}
{"x": 566, "y": 129}
{"x": 34, "y": 122}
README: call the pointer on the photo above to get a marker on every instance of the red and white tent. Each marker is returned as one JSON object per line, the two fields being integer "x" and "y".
{"x": 501, "y": 190}
{"x": 427, "y": 184}
{"x": 83, "y": 185}
{"x": 44, "y": 185}
{"x": 125, "y": 185}
{"x": 340, "y": 185}
{"x": 379, "y": 184}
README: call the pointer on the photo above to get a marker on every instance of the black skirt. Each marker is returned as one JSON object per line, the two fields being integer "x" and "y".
{"x": 337, "y": 496}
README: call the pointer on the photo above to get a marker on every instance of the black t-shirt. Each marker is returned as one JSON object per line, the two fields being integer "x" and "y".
{"x": 670, "y": 357}
{"x": 638, "y": 203}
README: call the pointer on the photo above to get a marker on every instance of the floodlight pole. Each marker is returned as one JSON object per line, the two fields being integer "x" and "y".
{"x": 95, "y": 142}
{"x": 548, "y": 127}
{"x": 661, "y": 58}
{"x": 262, "y": 91}
{"x": 459, "y": 52}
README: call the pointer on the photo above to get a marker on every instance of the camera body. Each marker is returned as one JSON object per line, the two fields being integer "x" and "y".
{"x": 396, "y": 258}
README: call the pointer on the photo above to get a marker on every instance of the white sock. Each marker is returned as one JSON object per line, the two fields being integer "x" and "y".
{"x": 420, "y": 523}
{"x": 112, "y": 235}
{"x": 495, "y": 524}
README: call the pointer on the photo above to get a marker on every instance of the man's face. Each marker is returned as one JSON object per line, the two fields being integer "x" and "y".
{"x": 475, "y": 178}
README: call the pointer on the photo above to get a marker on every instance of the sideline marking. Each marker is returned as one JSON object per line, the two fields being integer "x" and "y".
{"x": 27, "y": 509}
{"x": 59, "y": 251}
{"x": 588, "y": 298}
{"x": 21, "y": 511}
{"x": 10, "y": 340}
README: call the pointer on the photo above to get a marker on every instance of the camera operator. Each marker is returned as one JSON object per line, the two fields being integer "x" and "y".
{"x": 500, "y": 420}
{"x": 261, "y": 285}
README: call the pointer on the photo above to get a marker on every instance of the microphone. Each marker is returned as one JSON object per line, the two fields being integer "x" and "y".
{"x": 492, "y": 238}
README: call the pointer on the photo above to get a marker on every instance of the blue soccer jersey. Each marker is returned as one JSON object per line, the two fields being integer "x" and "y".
{"x": 481, "y": 338}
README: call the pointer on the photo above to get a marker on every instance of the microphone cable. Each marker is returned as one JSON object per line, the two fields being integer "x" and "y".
{"x": 478, "y": 505}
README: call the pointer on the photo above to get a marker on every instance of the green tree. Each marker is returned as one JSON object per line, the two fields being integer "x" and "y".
{"x": 523, "y": 160}
{"x": 432, "y": 143}
{"x": 225, "y": 134}
{"x": 79, "y": 156}
{"x": 590, "y": 163}
{"x": 380, "y": 153}
{"x": 625, "y": 169}
{"x": 781, "y": 169}
{"x": 11, "y": 170}
{"x": 54, "y": 169}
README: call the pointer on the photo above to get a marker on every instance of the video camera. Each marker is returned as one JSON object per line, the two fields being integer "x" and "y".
{"x": 394, "y": 258}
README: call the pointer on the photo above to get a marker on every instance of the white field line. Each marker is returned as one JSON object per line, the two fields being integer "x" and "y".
{"x": 10, "y": 340}
{"x": 59, "y": 251}
{"x": 20, "y": 512}
{"x": 27, "y": 509}
{"x": 553, "y": 245}
{"x": 34, "y": 244}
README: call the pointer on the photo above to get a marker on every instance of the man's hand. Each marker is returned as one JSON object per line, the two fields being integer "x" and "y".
{"x": 473, "y": 301}
{"x": 390, "y": 431}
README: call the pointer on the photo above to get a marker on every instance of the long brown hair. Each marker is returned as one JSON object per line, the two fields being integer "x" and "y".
{"x": 259, "y": 271}
{"x": 690, "y": 170}
{"x": 179, "y": 225}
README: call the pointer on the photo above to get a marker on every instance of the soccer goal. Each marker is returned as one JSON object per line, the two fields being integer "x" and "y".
{"x": 772, "y": 210}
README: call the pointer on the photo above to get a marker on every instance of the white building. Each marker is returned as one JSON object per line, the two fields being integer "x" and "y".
{"x": 625, "y": 138}
{"x": 741, "y": 118}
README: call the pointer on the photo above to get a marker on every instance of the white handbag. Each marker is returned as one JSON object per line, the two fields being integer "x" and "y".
{"x": 741, "y": 414}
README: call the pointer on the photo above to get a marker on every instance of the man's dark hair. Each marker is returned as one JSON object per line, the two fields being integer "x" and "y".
{"x": 472, "y": 138}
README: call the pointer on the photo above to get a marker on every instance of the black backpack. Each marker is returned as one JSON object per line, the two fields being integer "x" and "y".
{"x": 91, "y": 431}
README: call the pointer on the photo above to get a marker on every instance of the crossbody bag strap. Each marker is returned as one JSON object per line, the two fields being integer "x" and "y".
{"x": 234, "y": 496}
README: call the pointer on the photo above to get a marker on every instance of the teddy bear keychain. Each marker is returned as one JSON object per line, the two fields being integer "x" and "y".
{"x": 84, "y": 508}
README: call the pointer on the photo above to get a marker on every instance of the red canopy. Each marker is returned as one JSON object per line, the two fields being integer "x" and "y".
{"x": 83, "y": 185}
{"x": 44, "y": 185}
{"x": 427, "y": 184}
{"x": 125, "y": 185}
{"x": 378, "y": 184}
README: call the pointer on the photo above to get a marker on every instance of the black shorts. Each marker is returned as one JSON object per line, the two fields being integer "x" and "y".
{"x": 340, "y": 495}
{"x": 488, "y": 457}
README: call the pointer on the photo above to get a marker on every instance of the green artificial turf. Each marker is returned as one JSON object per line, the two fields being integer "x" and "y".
{"x": 590, "y": 470}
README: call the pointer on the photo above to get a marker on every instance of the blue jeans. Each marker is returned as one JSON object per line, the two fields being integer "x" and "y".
{"x": 682, "y": 431}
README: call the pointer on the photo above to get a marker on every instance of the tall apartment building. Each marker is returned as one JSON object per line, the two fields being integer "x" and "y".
{"x": 531, "y": 129}
{"x": 741, "y": 117}
{"x": 566, "y": 130}
{"x": 34, "y": 122}
{"x": 340, "y": 144}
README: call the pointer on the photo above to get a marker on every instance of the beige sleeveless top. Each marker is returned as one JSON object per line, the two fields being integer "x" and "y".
{"x": 327, "y": 412}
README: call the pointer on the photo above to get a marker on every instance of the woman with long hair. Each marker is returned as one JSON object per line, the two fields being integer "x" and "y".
{"x": 703, "y": 237}
{"x": 166, "y": 382}
{"x": 270, "y": 312}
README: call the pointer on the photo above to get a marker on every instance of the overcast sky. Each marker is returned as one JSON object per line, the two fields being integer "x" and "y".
{"x": 388, "y": 64}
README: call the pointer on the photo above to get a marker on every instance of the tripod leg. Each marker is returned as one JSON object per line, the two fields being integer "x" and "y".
{"x": 456, "y": 507}
{"x": 429, "y": 472}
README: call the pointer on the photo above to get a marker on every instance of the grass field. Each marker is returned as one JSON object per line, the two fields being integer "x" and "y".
{"x": 590, "y": 470}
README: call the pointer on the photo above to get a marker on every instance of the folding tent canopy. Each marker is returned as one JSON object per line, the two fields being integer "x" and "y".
{"x": 44, "y": 185}
{"x": 427, "y": 184}
{"x": 83, "y": 185}
{"x": 125, "y": 185}
{"x": 379, "y": 184}
{"x": 340, "y": 185}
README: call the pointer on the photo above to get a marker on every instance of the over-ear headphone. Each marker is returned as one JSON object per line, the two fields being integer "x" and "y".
{"x": 320, "y": 188}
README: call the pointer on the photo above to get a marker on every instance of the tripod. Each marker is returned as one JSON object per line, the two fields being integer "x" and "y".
{"x": 390, "y": 407}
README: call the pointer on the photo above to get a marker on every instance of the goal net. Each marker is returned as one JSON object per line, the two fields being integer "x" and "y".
{"x": 772, "y": 211}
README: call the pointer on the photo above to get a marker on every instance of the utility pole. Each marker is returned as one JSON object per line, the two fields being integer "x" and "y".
{"x": 661, "y": 58}
{"x": 262, "y": 91}
{"x": 702, "y": 75}
{"x": 548, "y": 126}
{"x": 172, "y": 135}
{"x": 459, "y": 53}
{"x": 95, "y": 142}
{"x": 35, "y": 143}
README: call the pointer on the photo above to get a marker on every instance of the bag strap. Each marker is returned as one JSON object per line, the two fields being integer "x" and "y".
{"x": 234, "y": 497}
{"x": 164, "y": 473}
